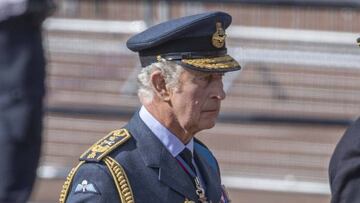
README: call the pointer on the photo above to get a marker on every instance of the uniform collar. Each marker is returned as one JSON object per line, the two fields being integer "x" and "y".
{"x": 167, "y": 138}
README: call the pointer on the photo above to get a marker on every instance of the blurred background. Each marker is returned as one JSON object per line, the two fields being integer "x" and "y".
{"x": 284, "y": 113}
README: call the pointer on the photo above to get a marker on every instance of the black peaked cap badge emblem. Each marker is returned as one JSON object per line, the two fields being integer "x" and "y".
{"x": 218, "y": 38}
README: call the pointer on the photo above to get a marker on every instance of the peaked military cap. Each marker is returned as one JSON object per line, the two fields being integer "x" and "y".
{"x": 196, "y": 42}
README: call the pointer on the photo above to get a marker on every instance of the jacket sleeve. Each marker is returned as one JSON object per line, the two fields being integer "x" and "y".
{"x": 344, "y": 168}
{"x": 92, "y": 183}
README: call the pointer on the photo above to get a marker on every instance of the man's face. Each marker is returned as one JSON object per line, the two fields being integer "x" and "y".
{"x": 196, "y": 101}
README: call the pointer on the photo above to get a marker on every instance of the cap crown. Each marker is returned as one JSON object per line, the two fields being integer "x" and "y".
{"x": 185, "y": 27}
{"x": 196, "y": 42}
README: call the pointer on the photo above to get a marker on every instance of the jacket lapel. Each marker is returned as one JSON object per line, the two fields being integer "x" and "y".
{"x": 155, "y": 155}
{"x": 175, "y": 177}
{"x": 211, "y": 178}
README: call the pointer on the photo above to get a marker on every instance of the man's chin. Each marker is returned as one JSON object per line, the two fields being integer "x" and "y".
{"x": 208, "y": 124}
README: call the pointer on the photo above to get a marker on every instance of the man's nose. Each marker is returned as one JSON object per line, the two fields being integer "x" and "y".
{"x": 218, "y": 92}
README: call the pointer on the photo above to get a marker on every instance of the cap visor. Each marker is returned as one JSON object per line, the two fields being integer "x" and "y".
{"x": 212, "y": 64}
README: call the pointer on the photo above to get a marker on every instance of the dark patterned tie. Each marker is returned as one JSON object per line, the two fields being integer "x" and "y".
{"x": 187, "y": 156}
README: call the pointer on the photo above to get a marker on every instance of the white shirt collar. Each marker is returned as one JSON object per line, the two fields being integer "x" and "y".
{"x": 167, "y": 138}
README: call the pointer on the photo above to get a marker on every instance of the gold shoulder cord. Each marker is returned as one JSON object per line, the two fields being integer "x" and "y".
{"x": 120, "y": 179}
{"x": 118, "y": 174}
{"x": 98, "y": 153}
{"x": 65, "y": 189}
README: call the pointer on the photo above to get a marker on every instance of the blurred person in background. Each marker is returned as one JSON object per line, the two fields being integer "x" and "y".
{"x": 22, "y": 73}
{"x": 344, "y": 169}
{"x": 155, "y": 157}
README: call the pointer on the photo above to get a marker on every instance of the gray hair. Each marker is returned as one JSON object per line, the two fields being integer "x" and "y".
{"x": 170, "y": 71}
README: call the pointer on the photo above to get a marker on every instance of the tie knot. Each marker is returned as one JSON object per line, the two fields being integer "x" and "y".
{"x": 186, "y": 153}
{"x": 187, "y": 156}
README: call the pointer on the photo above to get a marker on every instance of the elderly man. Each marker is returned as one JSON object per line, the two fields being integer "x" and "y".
{"x": 155, "y": 157}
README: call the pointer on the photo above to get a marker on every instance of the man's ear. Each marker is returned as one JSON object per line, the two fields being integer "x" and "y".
{"x": 159, "y": 85}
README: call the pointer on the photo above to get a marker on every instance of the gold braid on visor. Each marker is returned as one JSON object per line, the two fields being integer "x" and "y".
{"x": 222, "y": 62}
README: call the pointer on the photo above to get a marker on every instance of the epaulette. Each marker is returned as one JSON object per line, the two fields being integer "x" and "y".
{"x": 105, "y": 145}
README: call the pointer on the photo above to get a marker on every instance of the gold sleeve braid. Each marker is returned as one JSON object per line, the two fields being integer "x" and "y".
{"x": 119, "y": 176}
{"x": 121, "y": 181}
{"x": 98, "y": 152}
{"x": 65, "y": 188}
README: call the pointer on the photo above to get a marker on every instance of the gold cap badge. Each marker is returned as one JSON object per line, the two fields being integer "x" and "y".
{"x": 218, "y": 38}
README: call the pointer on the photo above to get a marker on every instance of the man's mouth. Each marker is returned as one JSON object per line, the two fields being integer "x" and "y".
{"x": 210, "y": 110}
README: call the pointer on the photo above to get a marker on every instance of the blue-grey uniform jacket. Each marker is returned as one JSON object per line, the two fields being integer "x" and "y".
{"x": 153, "y": 174}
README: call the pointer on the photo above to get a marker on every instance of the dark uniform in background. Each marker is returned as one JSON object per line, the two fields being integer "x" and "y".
{"x": 133, "y": 164}
{"x": 22, "y": 73}
{"x": 344, "y": 169}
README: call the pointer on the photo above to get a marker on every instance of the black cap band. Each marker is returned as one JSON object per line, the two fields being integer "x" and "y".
{"x": 147, "y": 60}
